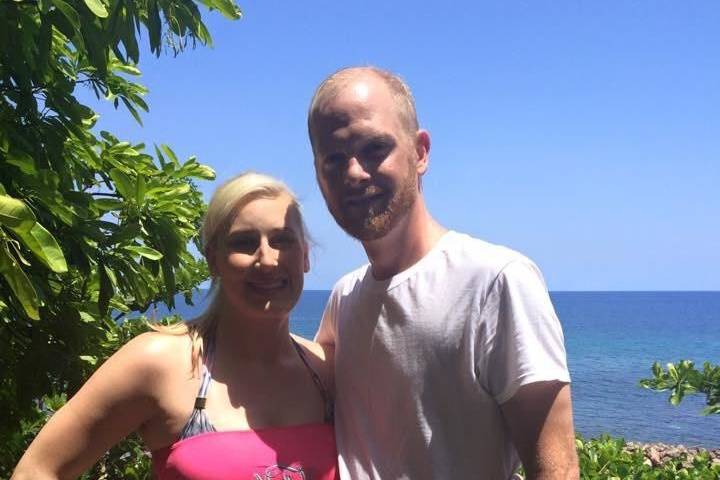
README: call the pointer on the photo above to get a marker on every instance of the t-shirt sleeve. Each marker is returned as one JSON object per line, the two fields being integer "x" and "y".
{"x": 327, "y": 329}
{"x": 523, "y": 341}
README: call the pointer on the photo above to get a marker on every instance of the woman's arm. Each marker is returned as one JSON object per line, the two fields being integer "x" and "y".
{"x": 117, "y": 399}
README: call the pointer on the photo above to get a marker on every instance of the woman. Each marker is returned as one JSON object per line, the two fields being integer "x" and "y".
{"x": 230, "y": 395}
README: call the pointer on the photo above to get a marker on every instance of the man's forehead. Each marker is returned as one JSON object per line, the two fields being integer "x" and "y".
{"x": 337, "y": 114}
{"x": 359, "y": 90}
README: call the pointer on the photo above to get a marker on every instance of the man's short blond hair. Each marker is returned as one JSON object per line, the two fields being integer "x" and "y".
{"x": 331, "y": 86}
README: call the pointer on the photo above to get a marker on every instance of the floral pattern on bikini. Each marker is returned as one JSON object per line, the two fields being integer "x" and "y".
{"x": 293, "y": 471}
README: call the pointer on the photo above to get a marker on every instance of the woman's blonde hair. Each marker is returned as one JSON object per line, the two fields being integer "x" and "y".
{"x": 226, "y": 200}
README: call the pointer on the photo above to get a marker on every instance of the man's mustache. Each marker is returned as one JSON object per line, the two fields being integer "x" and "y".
{"x": 360, "y": 193}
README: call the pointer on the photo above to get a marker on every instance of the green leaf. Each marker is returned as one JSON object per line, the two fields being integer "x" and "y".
{"x": 175, "y": 191}
{"x": 140, "y": 189}
{"x": 95, "y": 44}
{"x": 711, "y": 410}
{"x": 69, "y": 12}
{"x": 97, "y": 7}
{"x": 44, "y": 246}
{"x": 127, "y": 35}
{"x": 168, "y": 274}
{"x": 168, "y": 151}
{"x": 19, "y": 283}
{"x": 15, "y": 213}
{"x": 160, "y": 156}
{"x": 677, "y": 396}
{"x": 143, "y": 251}
{"x": 154, "y": 26}
{"x": 133, "y": 111}
{"x": 228, "y": 8}
{"x": 127, "y": 68}
{"x": 204, "y": 35}
{"x": 123, "y": 183}
{"x": 23, "y": 161}
{"x": 106, "y": 289}
{"x": 87, "y": 318}
{"x": 116, "y": 304}
{"x": 89, "y": 359}
{"x": 107, "y": 204}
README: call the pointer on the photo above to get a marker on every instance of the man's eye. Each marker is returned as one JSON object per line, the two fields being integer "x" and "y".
{"x": 376, "y": 150}
{"x": 333, "y": 161}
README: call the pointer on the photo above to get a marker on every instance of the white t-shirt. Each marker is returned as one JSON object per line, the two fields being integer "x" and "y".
{"x": 425, "y": 358}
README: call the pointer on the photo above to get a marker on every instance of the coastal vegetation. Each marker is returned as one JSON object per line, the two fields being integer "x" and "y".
{"x": 615, "y": 459}
{"x": 683, "y": 378}
{"x": 92, "y": 227}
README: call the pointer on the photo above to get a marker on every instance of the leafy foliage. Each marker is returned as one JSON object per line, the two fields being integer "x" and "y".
{"x": 608, "y": 458}
{"x": 128, "y": 459}
{"x": 91, "y": 227}
{"x": 683, "y": 378}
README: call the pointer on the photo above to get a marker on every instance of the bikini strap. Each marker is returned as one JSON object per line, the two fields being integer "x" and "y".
{"x": 327, "y": 401}
{"x": 202, "y": 392}
{"x": 199, "y": 422}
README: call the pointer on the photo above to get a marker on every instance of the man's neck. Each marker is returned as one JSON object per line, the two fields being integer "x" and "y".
{"x": 408, "y": 242}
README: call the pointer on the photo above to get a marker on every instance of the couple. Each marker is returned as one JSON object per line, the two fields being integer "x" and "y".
{"x": 448, "y": 357}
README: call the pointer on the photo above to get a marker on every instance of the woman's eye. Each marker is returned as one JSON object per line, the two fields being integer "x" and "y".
{"x": 244, "y": 244}
{"x": 284, "y": 241}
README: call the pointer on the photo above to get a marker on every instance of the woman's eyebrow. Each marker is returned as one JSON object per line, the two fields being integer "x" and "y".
{"x": 255, "y": 233}
{"x": 244, "y": 231}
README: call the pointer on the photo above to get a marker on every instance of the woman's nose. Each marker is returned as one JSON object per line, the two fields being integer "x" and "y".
{"x": 267, "y": 256}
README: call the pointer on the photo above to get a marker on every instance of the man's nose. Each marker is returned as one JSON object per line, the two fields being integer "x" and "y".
{"x": 356, "y": 172}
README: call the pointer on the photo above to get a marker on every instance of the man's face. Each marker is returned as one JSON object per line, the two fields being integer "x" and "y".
{"x": 366, "y": 161}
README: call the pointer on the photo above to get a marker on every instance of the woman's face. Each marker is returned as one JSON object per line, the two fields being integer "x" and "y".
{"x": 262, "y": 258}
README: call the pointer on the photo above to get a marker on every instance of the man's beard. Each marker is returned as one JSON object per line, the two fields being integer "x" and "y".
{"x": 380, "y": 219}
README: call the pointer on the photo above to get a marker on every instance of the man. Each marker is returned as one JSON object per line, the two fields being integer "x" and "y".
{"x": 449, "y": 357}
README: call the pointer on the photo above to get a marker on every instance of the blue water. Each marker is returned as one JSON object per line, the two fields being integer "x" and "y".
{"x": 612, "y": 339}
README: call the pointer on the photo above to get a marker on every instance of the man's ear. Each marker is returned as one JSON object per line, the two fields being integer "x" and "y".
{"x": 422, "y": 149}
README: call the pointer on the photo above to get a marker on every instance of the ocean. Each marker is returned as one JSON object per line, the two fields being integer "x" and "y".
{"x": 612, "y": 340}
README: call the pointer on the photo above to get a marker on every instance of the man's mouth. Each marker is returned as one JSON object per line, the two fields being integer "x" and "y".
{"x": 362, "y": 199}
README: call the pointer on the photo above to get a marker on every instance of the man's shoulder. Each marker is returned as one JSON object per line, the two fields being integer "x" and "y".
{"x": 479, "y": 255}
{"x": 351, "y": 280}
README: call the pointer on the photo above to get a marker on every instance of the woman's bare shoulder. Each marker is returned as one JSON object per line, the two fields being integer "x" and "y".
{"x": 157, "y": 352}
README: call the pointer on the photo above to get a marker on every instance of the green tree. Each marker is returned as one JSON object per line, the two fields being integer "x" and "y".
{"x": 683, "y": 378}
{"x": 91, "y": 227}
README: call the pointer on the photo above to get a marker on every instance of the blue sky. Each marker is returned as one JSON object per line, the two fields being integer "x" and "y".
{"x": 584, "y": 134}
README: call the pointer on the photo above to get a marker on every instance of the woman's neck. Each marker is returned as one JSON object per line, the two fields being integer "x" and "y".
{"x": 252, "y": 339}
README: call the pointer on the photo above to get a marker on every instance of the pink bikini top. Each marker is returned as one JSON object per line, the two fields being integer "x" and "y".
{"x": 297, "y": 452}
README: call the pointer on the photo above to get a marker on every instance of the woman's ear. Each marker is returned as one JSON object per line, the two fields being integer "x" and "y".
{"x": 306, "y": 258}
{"x": 210, "y": 257}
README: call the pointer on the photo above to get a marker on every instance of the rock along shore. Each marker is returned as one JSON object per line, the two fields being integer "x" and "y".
{"x": 659, "y": 453}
